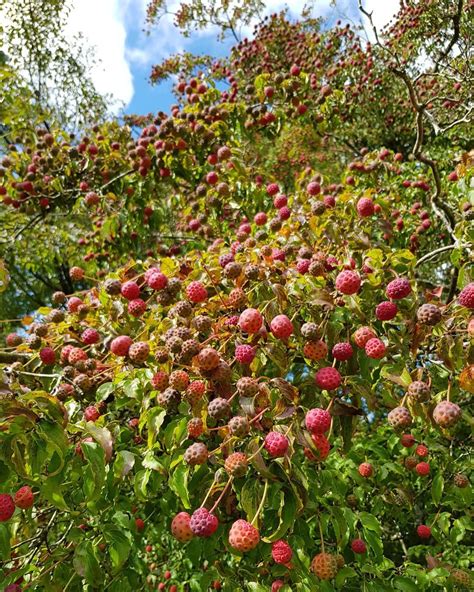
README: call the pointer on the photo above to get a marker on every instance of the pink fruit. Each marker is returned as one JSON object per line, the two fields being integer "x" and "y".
{"x": 365, "y": 207}
{"x": 196, "y": 292}
{"x": 348, "y": 282}
{"x": 342, "y": 351}
{"x": 328, "y": 378}
{"x": 250, "y": 320}
{"x": 358, "y": 546}
{"x": 386, "y": 310}
{"x": 120, "y": 345}
{"x": 318, "y": 421}
{"x": 398, "y": 289}
{"x": 281, "y": 327}
{"x": 281, "y": 552}
{"x": 276, "y": 444}
{"x": 203, "y": 523}
{"x": 130, "y": 290}
{"x": 375, "y": 348}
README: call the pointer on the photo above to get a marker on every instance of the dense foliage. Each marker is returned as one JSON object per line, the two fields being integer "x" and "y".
{"x": 250, "y": 361}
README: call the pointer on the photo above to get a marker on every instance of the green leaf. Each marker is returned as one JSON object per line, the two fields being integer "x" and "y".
{"x": 4, "y": 542}
{"x": 250, "y": 497}
{"x": 287, "y": 515}
{"x": 124, "y": 463}
{"x": 370, "y": 522}
{"x": 405, "y": 584}
{"x": 118, "y": 546}
{"x": 437, "y": 488}
{"x": 179, "y": 484}
{"x": 345, "y": 573}
{"x": 94, "y": 474}
{"x": 86, "y": 564}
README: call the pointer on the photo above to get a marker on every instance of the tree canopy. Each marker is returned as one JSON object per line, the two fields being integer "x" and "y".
{"x": 238, "y": 335}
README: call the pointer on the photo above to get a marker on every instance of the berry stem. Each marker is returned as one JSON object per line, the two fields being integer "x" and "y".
{"x": 223, "y": 492}
{"x": 321, "y": 534}
{"x": 260, "y": 507}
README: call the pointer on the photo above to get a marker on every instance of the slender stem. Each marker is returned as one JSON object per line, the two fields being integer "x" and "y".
{"x": 260, "y": 507}
{"x": 229, "y": 482}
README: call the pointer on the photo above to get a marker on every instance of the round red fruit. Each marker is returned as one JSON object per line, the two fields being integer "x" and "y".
{"x": 375, "y": 348}
{"x": 90, "y": 336}
{"x": 358, "y": 546}
{"x": 243, "y": 536}
{"x": 398, "y": 289}
{"x": 348, "y": 282}
{"x": 7, "y": 507}
{"x": 366, "y": 470}
{"x": 24, "y": 498}
{"x": 407, "y": 440}
{"x": 276, "y": 444}
{"x": 180, "y": 527}
{"x": 318, "y": 421}
{"x": 281, "y": 327}
{"x": 244, "y": 354}
{"x": 281, "y": 552}
{"x": 423, "y": 469}
{"x": 328, "y": 378}
{"x": 250, "y": 320}
{"x": 342, "y": 351}
{"x": 424, "y": 532}
{"x": 365, "y": 207}
{"x": 47, "y": 356}
{"x": 386, "y": 310}
{"x": 130, "y": 290}
{"x": 196, "y": 292}
{"x": 120, "y": 345}
{"x": 203, "y": 523}
{"x": 466, "y": 296}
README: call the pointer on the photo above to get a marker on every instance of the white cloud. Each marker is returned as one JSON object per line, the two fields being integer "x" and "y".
{"x": 382, "y": 12}
{"x": 105, "y": 23}
{"x": 102, "y": 24}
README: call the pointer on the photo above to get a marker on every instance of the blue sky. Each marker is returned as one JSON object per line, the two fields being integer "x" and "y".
{"x": 114, "y": 29}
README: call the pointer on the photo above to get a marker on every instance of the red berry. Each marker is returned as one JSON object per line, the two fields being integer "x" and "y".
{"x": 47, "y": 356}
{"x": 244, "y": 354}
{"x": 365, "y": 470}
{"x": 407, "y": 440}
{"x": 423, "y": 469}
{"x": 358, "y": 546}
{"x": 375, "y": 348}
{"x": 160, "y": 380}
{"x": 398, "y": 289}
{"x": 284, "y": 213}
{"x": 140, "y": 525}
{"x": 260, "y": 218}
{"x": 167, "y": 575}
{"x": 281, "y": 327}
{"x": 7, "y": 507}
{"x": 342, "y": 351}
{"x": 130, "y": 290}
{"x": 76, "y": 273}
{"x": 74, "y": 303}
{"x": 313, "y": 188}
{"x": 277, "y": 585}
{"x": 365, "y": 207}
{"x": 250, "y": 320}
{"x": 120, "y": 345}
{"x": 424, "y": 532}
{"x": 422, "y": 450}
{"x": 90, "y": 336}
{"x": 196, "y": 292}
{"x": 318, "y": 421}
{"x": 157, "y": 281}
{"x": 280, "y": 201}
{"x": 348, "y": 282}
{"x": 180, "y": 527}
{"x": 386, "y": 310}
{"x": 91, "y": 413}
{"x": 24, "y": 498}
{"x": 272, "y": 189}
{"x": 328, "y": 378}
{"x": 136, "y": 307}
{"x": 276, "y": 444}
{"x": 362, "y": 336}
{"x": 322, "y": 444}
{"x": 466, "y": 296}
{"x": 203, "y": 523}
{"x": 243, "y": 536}
{"x": 281, "y": 552}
